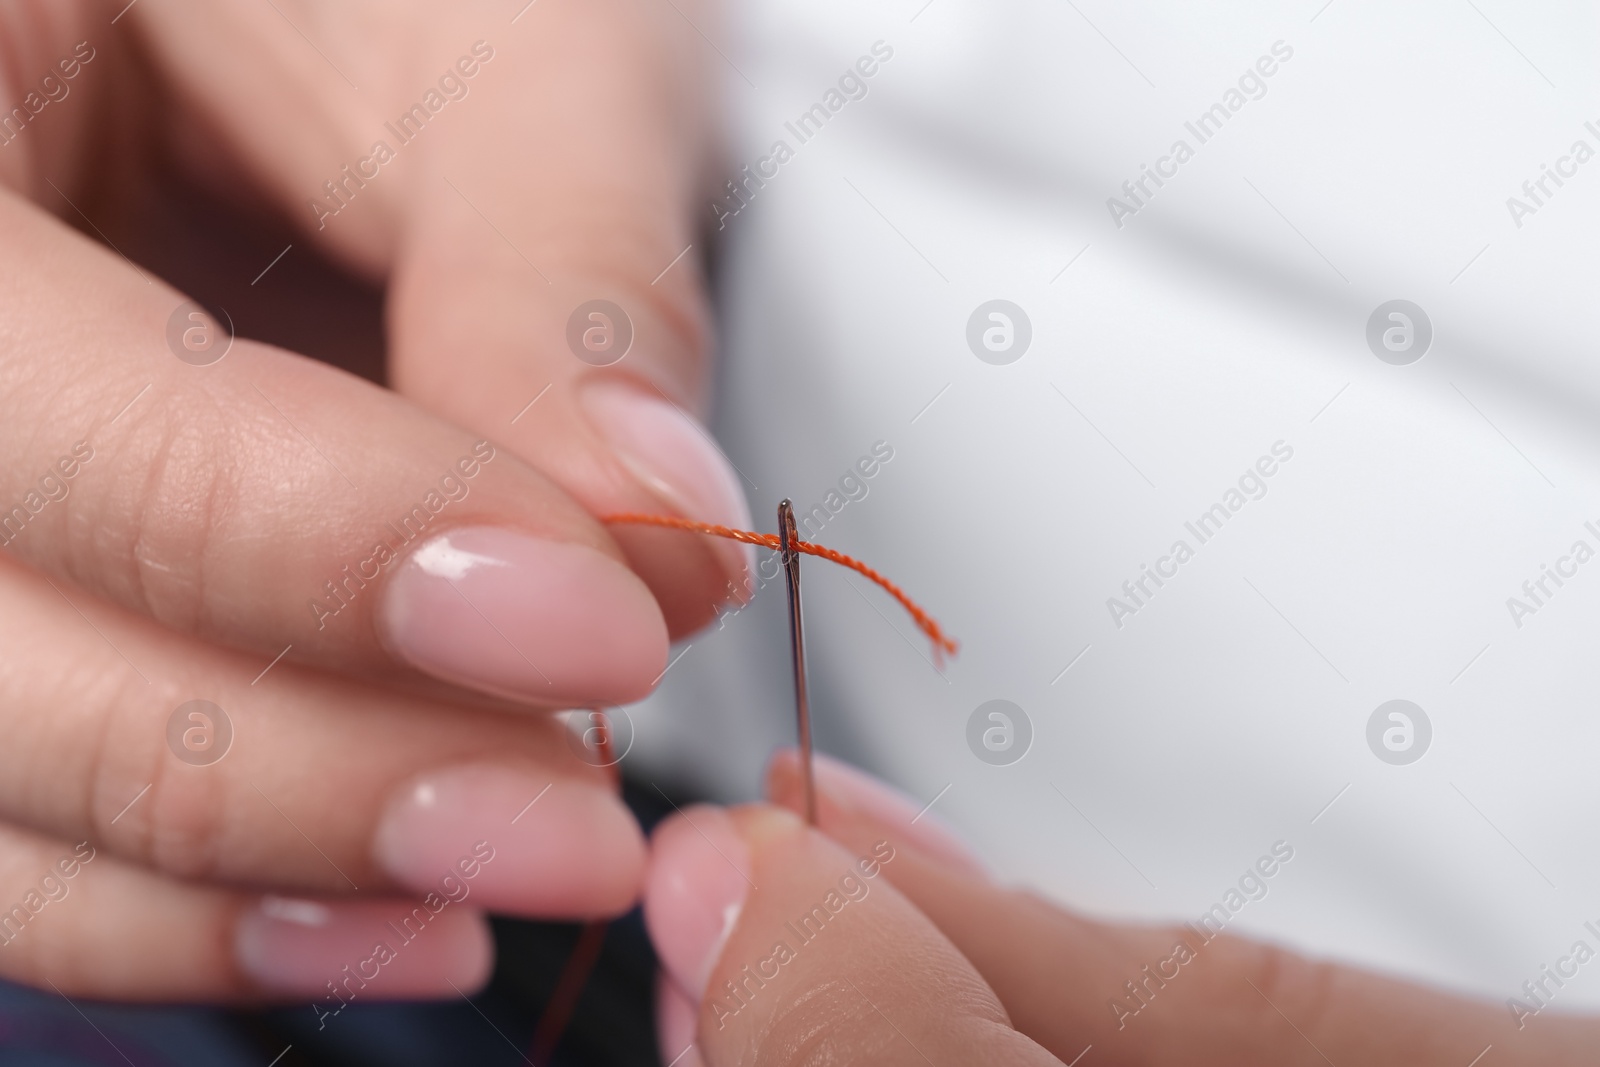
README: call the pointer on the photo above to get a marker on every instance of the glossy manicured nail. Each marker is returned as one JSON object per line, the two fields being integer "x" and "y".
{"x": 699, "y": 876}
{"x": 677, "y": 1018}
{"x": 497, "y": 610}
{"x": 673, "y": 455}
{"x": 846, "y": 791}
{"x": 377, "y": 950}
{"x": 513, "y": 842}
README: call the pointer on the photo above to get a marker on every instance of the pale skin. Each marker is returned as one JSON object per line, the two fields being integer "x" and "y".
{"x": 937, "y": 963}
{"x": 217, "y": 498}
{"x": 180, "y": 558}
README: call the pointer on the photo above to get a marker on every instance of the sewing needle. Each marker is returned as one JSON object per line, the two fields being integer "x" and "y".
{"x": 788, "y": 537}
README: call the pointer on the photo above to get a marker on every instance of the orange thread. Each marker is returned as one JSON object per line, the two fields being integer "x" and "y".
{"x": 925, "y": 622}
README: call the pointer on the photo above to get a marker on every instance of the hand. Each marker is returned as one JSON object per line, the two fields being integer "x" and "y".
{"x": 173, "y": 528}
{"x": 568, "y": 166}
{"x": 922, "y": 959}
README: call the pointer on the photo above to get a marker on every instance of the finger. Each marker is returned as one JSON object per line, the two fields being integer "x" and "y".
{"x": 85, "y": 924}
{"x": 48, "y": 48}
{"x": 498, "y": 213}
{"x": 676, "y": 1017}
{"x": 1136, "y": 996}
{"x": 586, "y": 206}
{"x": 800, "y": 953}
{"x": 295, "y": 779}
{"x": 279, "y": 505}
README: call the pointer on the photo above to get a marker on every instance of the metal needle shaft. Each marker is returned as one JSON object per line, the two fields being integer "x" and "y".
{"x": 788, "y": 536}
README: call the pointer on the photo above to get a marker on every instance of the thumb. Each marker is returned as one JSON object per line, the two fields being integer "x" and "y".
{"x": 799, "y": 951}
{"x": 548, "y": 289}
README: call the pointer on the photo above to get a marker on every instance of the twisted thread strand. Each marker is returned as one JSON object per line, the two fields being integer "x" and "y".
{"x": 942, "y": 643}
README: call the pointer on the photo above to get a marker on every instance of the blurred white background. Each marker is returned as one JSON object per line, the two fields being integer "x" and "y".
{"x": 1228, "y": 314}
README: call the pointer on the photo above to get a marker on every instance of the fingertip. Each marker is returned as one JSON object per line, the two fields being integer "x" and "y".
{"x": 829, "y": 962}
{"x": 699, "y": 877}
{"x": 847, "y": 794}
{"x": 378, "y": 950}
{"x": 566, "y": 848}
{"x": 781, "y": 778}
{"x": 524, "y": 617}
{"x": 677, "y": 1018}
{"x": 671, "y": 454}
{"x": 676, "y": 464}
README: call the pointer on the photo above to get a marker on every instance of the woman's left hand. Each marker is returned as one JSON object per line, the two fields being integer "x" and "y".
{"x": 877, "y": 939}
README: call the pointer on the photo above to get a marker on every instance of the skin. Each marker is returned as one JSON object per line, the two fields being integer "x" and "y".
{"x": 189, "y": 541}
{"x": 180, "y": 558}
{"x": 961, "y": 970}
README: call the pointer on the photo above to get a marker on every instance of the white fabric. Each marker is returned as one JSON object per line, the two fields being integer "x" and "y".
{"x": 1222, "y": 317}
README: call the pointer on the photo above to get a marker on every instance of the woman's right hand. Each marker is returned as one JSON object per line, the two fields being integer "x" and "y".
{"x": 372, "y": 592}
{"x": 877, "y": 939}
{"x": 156, "y": 512}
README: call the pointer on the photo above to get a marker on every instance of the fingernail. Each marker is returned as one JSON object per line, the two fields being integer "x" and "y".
{"x": 849, "y": 791}
{"x": 666, "y": 449}
{"x": 513, "y": 842}
{"x": 677, "y": 1019}
{"x": 699, "y": 875}
{"x": 372, "y": 949}
{"x": 497, "y": 610}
